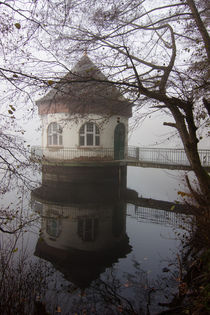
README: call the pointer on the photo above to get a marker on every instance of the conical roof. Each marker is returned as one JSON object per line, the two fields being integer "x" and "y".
{"x": 83, "y": 267}
{"x": 84, "y": 90}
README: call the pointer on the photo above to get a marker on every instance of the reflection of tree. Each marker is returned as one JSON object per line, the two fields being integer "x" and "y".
{"x": 89, "y": 239}
{"x": 104, "y": 297}
{"x": 131, "y": 293}
{"x": 13, "y": 214}
{"x": 23, "y": 282}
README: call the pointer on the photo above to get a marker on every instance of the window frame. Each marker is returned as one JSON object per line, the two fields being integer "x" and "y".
{"x": 53, "y": 227}
{"x": 87, "y": 228}
{"x": 86, "y": 135}
{"x": 54, "y": 133}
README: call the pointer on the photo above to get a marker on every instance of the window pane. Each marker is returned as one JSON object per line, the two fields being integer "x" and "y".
{"x": 89, "y": 135}
{"x": 89, "y": 139}
{"x": 81, "y": 140}
{"x": 80, "y": 227}
{"x": 54, "y": 134}
{"x": 55, "y": 138}
{"x": 52, "y": 227}
{"x": 54, "y": 126}
{"x": 95, "y": 231}
{"x": 60, "y": 140}
{"x": 89, "y": 127}
{"x": 49, "y": 140}
{"x": 82, "y": 130}
{"x": 50, "y": 129}
{"x": 88, "y": 229}
{"x": 96, "y": 130}
{"x": 88, "y": 225}
{"x": 97, "y": 140}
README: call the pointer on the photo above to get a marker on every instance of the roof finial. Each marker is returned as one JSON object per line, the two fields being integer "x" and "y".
{"x": 85, "y": 51}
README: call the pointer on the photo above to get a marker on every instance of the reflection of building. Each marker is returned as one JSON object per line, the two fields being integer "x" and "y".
{"x": 84, "y": 117}
{"x": 83, "y": 224}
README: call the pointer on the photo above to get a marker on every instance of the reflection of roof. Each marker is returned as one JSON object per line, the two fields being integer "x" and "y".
{"x": 82, "y": 267}
{"x": 85, "y": 90}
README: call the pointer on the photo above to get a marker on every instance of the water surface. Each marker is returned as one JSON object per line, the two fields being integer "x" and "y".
{"x": 104, "y": 255}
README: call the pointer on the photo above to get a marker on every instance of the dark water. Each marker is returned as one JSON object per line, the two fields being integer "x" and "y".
{"x": 101, "y": 254}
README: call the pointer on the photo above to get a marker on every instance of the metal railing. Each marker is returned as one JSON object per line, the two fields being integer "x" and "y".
{"x": 165, "y": 156}
{"x": 73, "y": 154}
{"x": 136, "y": 154}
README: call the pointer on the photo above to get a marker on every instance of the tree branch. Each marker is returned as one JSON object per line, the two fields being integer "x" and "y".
{"x": 201, "y": 26}
{"x": 149, "y": 64}
{"x": 169, "y": 68}
{"x": 170, "y": 124}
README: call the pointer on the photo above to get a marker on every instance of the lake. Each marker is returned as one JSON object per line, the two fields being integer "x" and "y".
{"x": 92, "y": 247}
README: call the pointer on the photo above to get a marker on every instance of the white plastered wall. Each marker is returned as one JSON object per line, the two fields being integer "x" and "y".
{"x": 71, "y": 125}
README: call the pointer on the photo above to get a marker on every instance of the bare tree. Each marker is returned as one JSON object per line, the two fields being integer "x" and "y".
{"x": 19, "y": 29}
{"x": 156, "y": 53}
{"x": 23, "y": 282}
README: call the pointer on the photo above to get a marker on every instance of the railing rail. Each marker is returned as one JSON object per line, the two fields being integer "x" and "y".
{"x": 157, "y": 216}
{"x": 73, "y": 154}
{"x": 164, "y": 156}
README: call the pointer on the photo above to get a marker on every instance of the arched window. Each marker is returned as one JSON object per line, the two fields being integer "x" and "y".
{"x": 89, "y": 135}
{"x": 54, "y": 134}
{"x": 87, "y": 228}
{"x": 53, "y": 227}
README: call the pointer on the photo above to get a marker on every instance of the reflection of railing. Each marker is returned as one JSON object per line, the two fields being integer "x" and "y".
{"x": 156, "y": 216}
{"x": 165, "y": 156}
{"x": 161, "y": 156}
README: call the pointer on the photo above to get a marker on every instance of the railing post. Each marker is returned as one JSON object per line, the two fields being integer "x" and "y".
{"x": 154, "y": 155}
{"x": 137, "y": 153}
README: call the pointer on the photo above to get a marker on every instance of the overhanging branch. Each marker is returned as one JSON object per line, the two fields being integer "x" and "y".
{"x": 170, "y": 124}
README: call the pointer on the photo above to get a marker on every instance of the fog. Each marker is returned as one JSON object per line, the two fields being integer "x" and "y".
{"x": 149, "y": 133}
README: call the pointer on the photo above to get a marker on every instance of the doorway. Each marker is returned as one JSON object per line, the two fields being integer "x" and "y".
{"x": 119, "y": 142}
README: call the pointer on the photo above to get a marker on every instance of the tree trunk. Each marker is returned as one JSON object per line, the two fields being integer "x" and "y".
{"x": 200, "y": 172}
{"x": 202, "y": 29}
{"x": 187, "y": 131}
{"x": 191, "y": 151}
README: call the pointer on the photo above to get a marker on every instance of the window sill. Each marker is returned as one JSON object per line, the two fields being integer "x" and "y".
{"x": 52, "y": 238}
{"x": 89, "y": 147}
{"x": 54, "y": 147}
